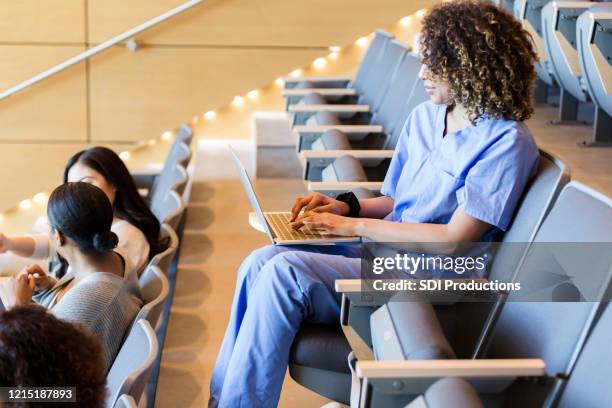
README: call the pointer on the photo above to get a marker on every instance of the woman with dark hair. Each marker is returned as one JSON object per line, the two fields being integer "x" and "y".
{"x": 99, "y": 293}
{"x": 460, "y": 166}
{"x": 39, "y": 350}
{"x": 133, "y": 221}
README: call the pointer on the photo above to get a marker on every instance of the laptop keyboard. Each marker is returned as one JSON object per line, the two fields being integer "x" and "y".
{"x": 281, "y": 227}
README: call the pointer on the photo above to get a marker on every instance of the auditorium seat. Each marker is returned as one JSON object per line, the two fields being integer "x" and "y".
{"x": 339, "y": 89}
{"x": 179, "y": 152}
{"x": 164, "y": 258}
{"x": 559, "y": 34}
{"x": 169, "y": 210}
{"x": 125, "y": 401}
{"x": 154, "y": 288}
{"x": 539, "y": 196}
{"x": 594, "y": 34}
{"x": 132, "y": 367}
{"x": 529, "y": 13}
{"x": 588, "y": 384}
{"x": 316, "y": 111}
{"x": 524, "y": 324}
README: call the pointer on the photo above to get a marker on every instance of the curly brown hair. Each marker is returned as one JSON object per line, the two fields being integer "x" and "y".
{"x": 484, "y": 54}
{"x": 39, "y": 350}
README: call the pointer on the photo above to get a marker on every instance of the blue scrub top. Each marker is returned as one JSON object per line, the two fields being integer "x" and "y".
{"x": 481, "y": 169}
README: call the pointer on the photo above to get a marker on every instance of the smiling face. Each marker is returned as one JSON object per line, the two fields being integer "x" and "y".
{"x": 80, "y": 172}
{"x": 438, "y": 91}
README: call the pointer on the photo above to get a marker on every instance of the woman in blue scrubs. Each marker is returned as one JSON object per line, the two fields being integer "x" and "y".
{"x": 460, "y": 167}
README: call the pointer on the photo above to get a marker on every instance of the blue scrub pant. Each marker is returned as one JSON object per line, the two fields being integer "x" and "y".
{"x": 277, "y": 289}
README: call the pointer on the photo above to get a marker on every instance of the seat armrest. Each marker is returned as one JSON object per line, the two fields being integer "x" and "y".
{"x": 336, "y": 108}
{"x": 348, "y": 129}
{"x": 323, "y": 158}
{"x": 450, "y": 368}
{"x": 358, "y": 154}
{"x": 334, "y": 188}
{"x": 321, "y": 91}
{"x": 291, "y": 82}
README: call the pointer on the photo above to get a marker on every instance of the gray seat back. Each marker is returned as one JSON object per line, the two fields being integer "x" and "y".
{"x": 559, "y": 33}
{"x": 402, "y": 81}
{"x": 371, "y": 58}
{"x": 174, "y": 179}
{"x": 132, "y": 367}
{"x": 154, "y": 288}
{"x": 532, "y": 329}
{"x": 540, "y": 194}
{"x": 594, "y": 32}
{"x": 163, "y": 259}
{"x": 379, "y": 79}
{"x": 185, "y": 134}
{"x": 179, "y": 154}
{"x": 529, "y": 13}
{"x": 169, "y": 210}
{"x": 416, "y": 97}
{"x": 125, "y": 401}
{"x": 590, "y": 382}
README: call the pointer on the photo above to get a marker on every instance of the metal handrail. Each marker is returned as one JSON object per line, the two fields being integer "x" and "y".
{"x": 99, "y": 48}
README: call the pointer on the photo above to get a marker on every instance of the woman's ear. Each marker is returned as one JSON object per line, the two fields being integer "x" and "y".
{"x": 59, "y": 239}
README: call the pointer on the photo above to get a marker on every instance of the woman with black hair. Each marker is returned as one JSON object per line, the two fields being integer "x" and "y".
{"x": 133, "y": 221}
{"x": 99, "y": 293}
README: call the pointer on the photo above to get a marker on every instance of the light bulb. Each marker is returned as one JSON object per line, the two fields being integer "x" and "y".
{"x": 40, "y": 198}
{"x": 238, "y": 101}
{"x": 319, "y": 63}
{"x": 25, "y": 204}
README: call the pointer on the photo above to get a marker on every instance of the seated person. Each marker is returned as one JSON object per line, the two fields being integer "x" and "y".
{"x": 100, "y": 294}
{"x": 39, "y": 350}
{"x": 460, "y": 167}
{"x": 133, "y": 222}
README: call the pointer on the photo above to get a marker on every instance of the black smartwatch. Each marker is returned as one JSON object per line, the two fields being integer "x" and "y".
{"x": 353, "y": 203}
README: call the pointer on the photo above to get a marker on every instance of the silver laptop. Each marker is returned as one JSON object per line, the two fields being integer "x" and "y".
{"x": 276, "y": 224}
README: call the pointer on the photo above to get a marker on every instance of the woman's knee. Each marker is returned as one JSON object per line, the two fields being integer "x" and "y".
{"x": 252, "y": 264}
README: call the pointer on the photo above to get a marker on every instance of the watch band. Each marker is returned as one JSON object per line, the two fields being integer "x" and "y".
{"x": 353, "y": 202}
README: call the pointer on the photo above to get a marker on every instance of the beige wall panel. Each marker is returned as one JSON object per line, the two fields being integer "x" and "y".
{"x": 36, "y": 167}
{"x": 252, "y": 22}
{"x": 42, "y": 21}
{"x": 54, "y": 109}
{"x": 137, "y": 96}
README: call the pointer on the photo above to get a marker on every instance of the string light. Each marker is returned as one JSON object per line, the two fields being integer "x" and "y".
{"x": 296, "y": 73}
{"x": 40, "y": 198}
{"x": 124, "y": 155}
{"x": 333, "y": 56}
{"x": 421, "y": 13}
{"x": 279, "y": 81}
{"x": 253, "y": 94}
{"x": 406, "y": 21}
{"x": 25, "y": 204}
{"x": 335, "y": 48}
{"x": 362, "y": 42}
{"x": 167, "y": 135}
{"x": 319, "y": 63}
{"x": 210, "y": 115}
{"x": 152, "y": 142}
{"x": 195, "y": 119}
{"x": 238, "y": 101}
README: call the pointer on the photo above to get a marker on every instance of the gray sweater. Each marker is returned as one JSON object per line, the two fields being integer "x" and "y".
{"x": 103, "y": 302}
